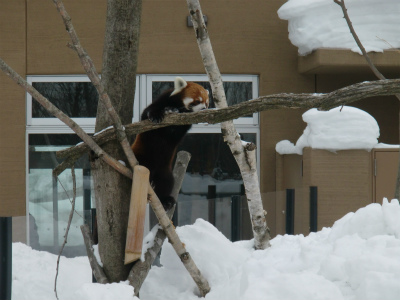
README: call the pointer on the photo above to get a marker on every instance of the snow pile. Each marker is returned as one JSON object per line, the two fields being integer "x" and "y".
{"x": 320, "y": 24}
{"x": 33, "y": 275}
{"x": 337, "y": 129}
{"x": 358, "y": 258}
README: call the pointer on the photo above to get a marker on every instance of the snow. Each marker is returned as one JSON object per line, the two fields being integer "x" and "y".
{"x": 337, "y": 129}
{"x": 358, "y": 258}
{"x": 375, "y": 22}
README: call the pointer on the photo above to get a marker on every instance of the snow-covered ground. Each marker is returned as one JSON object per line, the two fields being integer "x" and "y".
{"x": 341, "y": 128}
{"x": 317, "y": 24}
{"x": 358, "y": 258}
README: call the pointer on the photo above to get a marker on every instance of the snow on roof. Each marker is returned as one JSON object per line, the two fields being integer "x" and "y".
{"x": 337, "y": 129}
{"x": 317, "y": 24}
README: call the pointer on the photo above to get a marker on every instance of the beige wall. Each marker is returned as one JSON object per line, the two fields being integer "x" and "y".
{"x": 344, "y": 180}
{"x": 12, "y": 112}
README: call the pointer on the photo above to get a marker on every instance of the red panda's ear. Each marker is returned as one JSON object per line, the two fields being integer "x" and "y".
{"x": 179, "y": 85}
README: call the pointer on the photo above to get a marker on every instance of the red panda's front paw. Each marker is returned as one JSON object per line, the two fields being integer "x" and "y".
{"x": 156, "y": 116}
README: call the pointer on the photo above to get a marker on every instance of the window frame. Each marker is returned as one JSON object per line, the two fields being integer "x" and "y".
{"x": 54, "y": 125}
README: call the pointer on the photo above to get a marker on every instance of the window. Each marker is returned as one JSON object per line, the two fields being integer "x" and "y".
{"x": 50, "y": 198}
{"x": 74, "y": 95}
{"x": 212, "y": 167}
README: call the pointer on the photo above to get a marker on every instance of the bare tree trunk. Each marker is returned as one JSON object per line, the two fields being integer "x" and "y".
{"x": 244, "y": 157}
{"x": 112, "y": 190}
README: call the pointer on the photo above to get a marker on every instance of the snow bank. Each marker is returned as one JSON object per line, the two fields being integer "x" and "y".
{"x": 358, "y": 258}
{"x": 336, "y": 129}
{"x": 320, "y": 24}
{"x": 33, "y": 275}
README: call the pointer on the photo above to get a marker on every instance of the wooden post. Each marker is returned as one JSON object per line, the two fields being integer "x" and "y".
{"x": 137, "y": 214}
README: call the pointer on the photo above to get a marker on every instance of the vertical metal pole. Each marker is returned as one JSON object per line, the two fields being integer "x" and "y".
{"x": 313, "y": 209}
{"x": 211, "y": 196}
{"x": 94, "y": 233}
{"x": 174, "y": 219}
{"x": 55, "y": 213}
{"x": 87, "y": 205}
{"x": 5, "y": 257}
{"x": 235, "y": 218}
{"x": 290, "y": 211}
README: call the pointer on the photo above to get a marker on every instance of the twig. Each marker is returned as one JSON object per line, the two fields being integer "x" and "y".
{"x": 66, "y": 193}
{"x": 71, "y": 214}
{"x": 140, "y": 269}
{"x": 97, "y": 270}
{"x": 322, "y": 101}
{"x": 359, "y": 44}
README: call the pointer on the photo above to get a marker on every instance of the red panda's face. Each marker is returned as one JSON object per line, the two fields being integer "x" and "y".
{"x": 195, "y": 97}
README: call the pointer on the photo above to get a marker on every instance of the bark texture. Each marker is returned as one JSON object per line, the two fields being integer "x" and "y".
{"x": 112, "y": 190}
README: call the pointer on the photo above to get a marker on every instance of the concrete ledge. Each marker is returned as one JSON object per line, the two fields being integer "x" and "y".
{"x": 331, "y": 61}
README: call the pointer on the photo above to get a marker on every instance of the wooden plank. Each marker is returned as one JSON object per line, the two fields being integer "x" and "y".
{"x": 137, "y": 214}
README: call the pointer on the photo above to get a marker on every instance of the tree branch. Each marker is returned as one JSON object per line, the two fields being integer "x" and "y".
{"x": 52, "y": 109}
{"x": 94, "y": 77}
{"x": 359, "y": 44}
{"x": 97, "y": 270}
{"x": 229, "y": 132}
{"x": 140, "y": 269}
{"x": 71, "y": 214}
{"x": 327, "y": 101}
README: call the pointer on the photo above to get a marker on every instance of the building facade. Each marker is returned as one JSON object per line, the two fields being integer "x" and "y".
{"x": 254, "y": 55}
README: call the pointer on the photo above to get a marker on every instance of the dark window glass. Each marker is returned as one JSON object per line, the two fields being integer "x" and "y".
{"x": 213, "y": 168}
{"x": 236, "y": 92}
{"x": 75, "y": 99}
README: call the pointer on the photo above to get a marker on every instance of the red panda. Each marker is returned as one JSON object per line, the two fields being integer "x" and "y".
{"x": 156, "y": 149}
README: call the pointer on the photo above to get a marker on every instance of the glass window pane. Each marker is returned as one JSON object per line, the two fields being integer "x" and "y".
{"x": 75, "y": 99}
{"x": 49, "y": 198}
{"x": 212, "y": 167}
{"x": 236, "y": 92}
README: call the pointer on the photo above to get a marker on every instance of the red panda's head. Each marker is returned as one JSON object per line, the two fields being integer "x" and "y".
{"x": 194, "y": 96}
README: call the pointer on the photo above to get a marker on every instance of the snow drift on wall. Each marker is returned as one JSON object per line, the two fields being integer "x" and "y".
{"x": 337, "y": 129}
{"x": 317, "y": 24}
